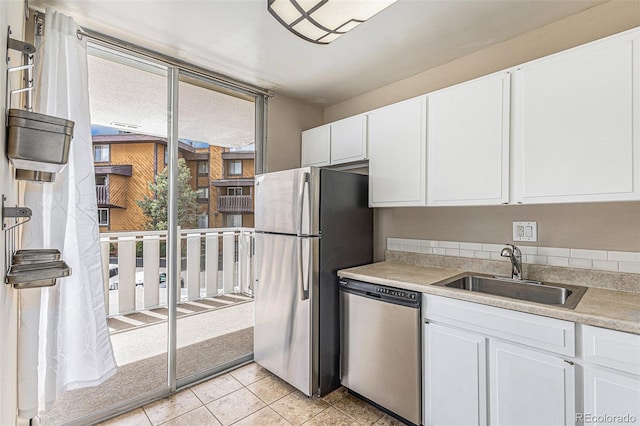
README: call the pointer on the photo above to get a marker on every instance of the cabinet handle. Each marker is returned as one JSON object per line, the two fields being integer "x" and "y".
{"x": 569, "y": 362}
{"x": 426, "y": 321}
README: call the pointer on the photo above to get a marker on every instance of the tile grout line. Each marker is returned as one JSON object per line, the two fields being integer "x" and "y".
{"x": 325, "y": 404}
{"x": 602, "y": 260}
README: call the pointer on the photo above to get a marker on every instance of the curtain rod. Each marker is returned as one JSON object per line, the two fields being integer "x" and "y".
{"x": 166, "y": 59}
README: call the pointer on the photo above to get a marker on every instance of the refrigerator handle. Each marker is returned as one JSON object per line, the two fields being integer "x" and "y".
{"x": 304, "y": 278}
{"x": 304, "y": 189}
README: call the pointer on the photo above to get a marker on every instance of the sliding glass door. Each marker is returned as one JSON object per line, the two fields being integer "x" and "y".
{"x": 174, "y": 156}
{"x": 128, "y": 101}
{"x": 216, "y": 158}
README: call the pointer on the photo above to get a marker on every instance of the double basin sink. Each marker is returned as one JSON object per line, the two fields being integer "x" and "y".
{"x": 561, "y": 295}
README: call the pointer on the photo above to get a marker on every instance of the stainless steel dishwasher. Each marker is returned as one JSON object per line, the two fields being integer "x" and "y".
{"x": 380, "y": 351}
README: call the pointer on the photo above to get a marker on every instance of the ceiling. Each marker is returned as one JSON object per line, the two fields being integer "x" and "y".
{"x": 241, "y": 39}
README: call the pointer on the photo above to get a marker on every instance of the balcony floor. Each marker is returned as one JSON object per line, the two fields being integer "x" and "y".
{"x": 218, "y": 333}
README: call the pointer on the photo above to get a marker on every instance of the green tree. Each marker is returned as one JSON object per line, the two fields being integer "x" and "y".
{"x": 155, "y": 207}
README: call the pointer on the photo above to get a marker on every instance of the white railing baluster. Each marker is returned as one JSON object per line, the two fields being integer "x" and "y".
{"x": 151, "y": 265}
{"x": 237, "y": 243}
{"x": 126, "y": 274}
{"x": 242, "y": 261}
{"x": 179, "y": 263}
{"x": 104, "y": 254}
{"x": 228, "y": 261}
{"x": 211, "y": 264}
{"x": 193, "y": 266}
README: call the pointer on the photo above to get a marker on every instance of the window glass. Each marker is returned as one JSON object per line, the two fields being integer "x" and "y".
{"x": 101, "y": 180}
{"x": 234, "y": 190}
{"x": 235, "y": 168}
{"x": 103, "y": 217}
{"x": 203, "y": 193}
{"x": 101, "y": 153}
{"x": 203, "y": 167}
{"x": 234, "y": 220}
{"x": 203, "y": 221}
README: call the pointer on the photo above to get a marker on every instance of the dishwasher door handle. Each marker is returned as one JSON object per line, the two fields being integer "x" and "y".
{"x": 374, "y": 295}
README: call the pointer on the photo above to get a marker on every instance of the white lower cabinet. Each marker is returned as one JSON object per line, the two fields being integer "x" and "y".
{"x": 611, "y": 377}
{"x": 529, "y": 387}
{"x": 490, "y": 375}
{"x": 610, "y": 397}
{"x": 455, "y": 377}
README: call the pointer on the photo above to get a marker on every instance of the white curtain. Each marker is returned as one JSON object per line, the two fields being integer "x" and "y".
{"x": 63, "y": 340}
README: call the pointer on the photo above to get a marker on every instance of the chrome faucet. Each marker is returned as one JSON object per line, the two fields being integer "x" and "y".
{"x": 515, "y": 255}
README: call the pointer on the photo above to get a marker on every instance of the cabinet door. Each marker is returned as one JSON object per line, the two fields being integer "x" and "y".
{"x": 455, "y": 383}
{"x": 349, "y": 140}
{"x": 612, "y": 394}
{"x": 577, "y": 123}
{"x": 468, "y": 143}
{"x": 316, "y": 147}
{"x": 529, "y": 387}
{"x": 397, "y": 157}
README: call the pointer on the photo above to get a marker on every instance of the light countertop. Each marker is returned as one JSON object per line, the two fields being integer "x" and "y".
{"x": 613, "y": 309}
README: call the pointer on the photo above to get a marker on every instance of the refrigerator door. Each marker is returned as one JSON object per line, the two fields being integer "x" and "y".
{"x": 285, "y": 293}
{"x": 287, "y": 202}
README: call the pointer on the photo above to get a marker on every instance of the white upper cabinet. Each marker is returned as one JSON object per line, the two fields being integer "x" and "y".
{"x": 577, "y": 124}
{"x": 397, "y": 157}
{"x": 343, "y": 141}
{"x": 349, "y": 140}
{"x": 468, "y": 143}
{"x": 316, "y": 146}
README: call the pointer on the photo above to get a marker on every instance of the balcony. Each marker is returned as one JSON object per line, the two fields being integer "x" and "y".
{"x": 213, "y": 262}
{"x": 113, "y": 195}
{"x": 235, "y": 204}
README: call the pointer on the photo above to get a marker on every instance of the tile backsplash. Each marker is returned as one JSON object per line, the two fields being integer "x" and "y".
{"x": 603, "y": 260}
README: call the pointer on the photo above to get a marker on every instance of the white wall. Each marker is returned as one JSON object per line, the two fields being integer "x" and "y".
{"x": 287, "y": 118}
{"x": 11, "y": 13}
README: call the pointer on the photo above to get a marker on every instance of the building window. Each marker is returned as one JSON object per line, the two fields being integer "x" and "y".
{"x": 101, "y": 180}
{"x": 103, "y": 217}
{"x": 203, "y": 167}
{"x": 234, "y": 220}
{"x": 203, "y": 193}
{"x": 234, "y": 168}
{"x": 101, "y": 153}
{"x": 203, "y": 221}
{"x": 234, "y": 190}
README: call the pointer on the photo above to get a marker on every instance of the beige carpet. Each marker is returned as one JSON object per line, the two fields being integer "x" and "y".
{"x": 148, "y": 375}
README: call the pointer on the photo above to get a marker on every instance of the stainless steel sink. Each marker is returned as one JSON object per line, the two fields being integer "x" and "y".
{"x": 566, "y": 296}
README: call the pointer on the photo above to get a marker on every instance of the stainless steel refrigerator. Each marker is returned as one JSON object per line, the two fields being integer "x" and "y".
{"x": 309, "y": 223}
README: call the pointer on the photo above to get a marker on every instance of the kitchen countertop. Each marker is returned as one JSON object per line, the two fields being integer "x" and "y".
{"x": 613, "y": 309}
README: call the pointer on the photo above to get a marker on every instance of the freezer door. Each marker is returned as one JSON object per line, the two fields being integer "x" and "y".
{"x": 287, "y": 202}
{"x": 285, "y": 291}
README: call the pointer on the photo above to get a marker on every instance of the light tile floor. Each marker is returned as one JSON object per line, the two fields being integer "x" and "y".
{"x": 251, "y": 395}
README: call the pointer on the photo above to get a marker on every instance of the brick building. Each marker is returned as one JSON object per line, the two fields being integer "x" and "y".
{"x": 126, "y": 163}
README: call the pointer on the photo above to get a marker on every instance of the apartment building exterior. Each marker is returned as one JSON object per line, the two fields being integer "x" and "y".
{"x": 126, "y": 163}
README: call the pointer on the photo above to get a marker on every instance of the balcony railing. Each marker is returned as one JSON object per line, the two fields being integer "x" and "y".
{"x": 235, "y": 204}
{"x": 102, "y": 194}
{"x": 213, "y": 262}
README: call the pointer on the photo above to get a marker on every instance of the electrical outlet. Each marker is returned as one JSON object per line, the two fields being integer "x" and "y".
{"x": 525, "y": 231}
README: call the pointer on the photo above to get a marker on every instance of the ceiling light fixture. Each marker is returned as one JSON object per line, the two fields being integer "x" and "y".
{"x": 323, "y": 21}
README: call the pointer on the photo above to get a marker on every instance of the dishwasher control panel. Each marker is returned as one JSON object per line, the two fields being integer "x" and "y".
{"x": 381, "y": 292}
{"x": 397, "y": 293}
